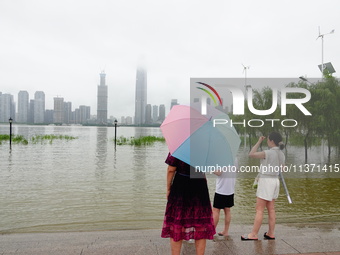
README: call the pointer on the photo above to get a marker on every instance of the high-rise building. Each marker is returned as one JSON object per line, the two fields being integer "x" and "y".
{"x": 58, "y": 114}
{"x": 161, "y": 116}
{"x": 102, "y": 98}
{"x": 39, "y": 107}
{"x": 128, "y": 120}
{"x": 141, "y": 96}
{"x": 48, "y": 119}
{"x": 67, "y": 112}
{"x": 173, "y": 102}
{"x": 7, "y": 107}
{"x": 77, "y": 116}
{"x": 155, "y": 113}
{"x": 84, "y": 114}
{"x": 148, "y": 119}
{"x": 23, "y": 106}
{"x": 123, "y": 120}
{"x": 31, "y": 112}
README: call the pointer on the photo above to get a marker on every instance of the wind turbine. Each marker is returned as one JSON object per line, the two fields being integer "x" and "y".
{"x": 321, "y": 36}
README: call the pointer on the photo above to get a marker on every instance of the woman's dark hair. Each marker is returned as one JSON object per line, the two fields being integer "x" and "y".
{"x": 277, "y": 139}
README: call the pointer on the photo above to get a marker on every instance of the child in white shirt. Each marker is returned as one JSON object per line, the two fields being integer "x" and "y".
{"x": 224, "y": 197}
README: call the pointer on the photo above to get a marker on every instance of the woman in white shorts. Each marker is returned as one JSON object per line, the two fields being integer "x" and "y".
{"x": 272, "y": 161}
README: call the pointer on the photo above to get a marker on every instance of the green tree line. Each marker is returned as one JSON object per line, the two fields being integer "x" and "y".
{"x": 322, "y": 126}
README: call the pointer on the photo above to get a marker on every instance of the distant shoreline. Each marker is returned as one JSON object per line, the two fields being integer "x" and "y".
{"x": 85, "y": 125}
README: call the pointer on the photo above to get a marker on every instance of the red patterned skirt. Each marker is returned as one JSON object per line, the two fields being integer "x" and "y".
{"x": 188, "y": 213}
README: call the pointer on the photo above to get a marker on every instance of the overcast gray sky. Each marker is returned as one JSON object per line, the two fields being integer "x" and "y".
{"x": 61, "y": 46}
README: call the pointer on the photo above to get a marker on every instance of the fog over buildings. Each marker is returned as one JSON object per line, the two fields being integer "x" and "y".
{"x": 102, "y": 98}
{"x": 34, "y": 111}
{"x": 141, "y": 96}
{"x": 60, "y": 47}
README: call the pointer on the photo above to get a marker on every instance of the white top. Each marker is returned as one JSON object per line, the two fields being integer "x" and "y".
{"x": 271, "y": 164}
{"x": 225, "y": 183}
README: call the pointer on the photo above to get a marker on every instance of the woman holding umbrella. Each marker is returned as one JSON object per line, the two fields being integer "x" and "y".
{"x": 188, "y": 212}
{"x": 268, "y": 187}
{"x": 193, "y": 141}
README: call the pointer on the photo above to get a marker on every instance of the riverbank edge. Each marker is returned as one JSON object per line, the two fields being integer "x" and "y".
{"x": 314, "y": 238}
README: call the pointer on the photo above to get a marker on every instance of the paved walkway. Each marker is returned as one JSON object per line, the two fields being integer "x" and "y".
{"x": 313, "y": 239}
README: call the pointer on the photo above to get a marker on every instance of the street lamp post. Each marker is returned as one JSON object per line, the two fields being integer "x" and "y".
{"x": 246, "y": 87}
{"x": 10, "y": 132}
{"x": 322, "y": 78}
{"x": 305, "y": 80}
{"x": 245, "y": 128}
{"x": 116, "y": 132}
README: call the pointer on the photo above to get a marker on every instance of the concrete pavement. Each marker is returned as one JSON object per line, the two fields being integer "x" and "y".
{"x": 290, "y": 239}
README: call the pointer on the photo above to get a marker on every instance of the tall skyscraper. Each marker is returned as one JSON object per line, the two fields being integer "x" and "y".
{"x": 102, "y": 97}
{"x": 39, "y": 107}
{"x": 67, "y": 112}
{"x": 141, "y": 96}
{"x": 155, "y": 113}
{"x": 127, "y": 120}
{"x": 23, "y": 106}
{"x": 161, "y": 117}
{"x": 84, "y": 113}
{"x": 148, "y": 119}
{"x": 77, "y": 116}
{"x": 173, "y": 102}
{"x": 48, "y": 119}
{"x": 58, "y": 114}
{"x": 31, "y": 112}
{"x": 7, "y": 107}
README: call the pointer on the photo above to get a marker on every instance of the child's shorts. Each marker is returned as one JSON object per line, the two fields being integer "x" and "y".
{"x": 223, "y": 201}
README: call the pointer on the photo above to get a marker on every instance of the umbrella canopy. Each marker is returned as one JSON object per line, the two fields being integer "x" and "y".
{"x": 194, "y": 139}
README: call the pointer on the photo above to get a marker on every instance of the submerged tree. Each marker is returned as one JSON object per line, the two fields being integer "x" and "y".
{"x": 322, "y": 124}
{"x": 305, "y": 127}
{"x": 326, "y": 111}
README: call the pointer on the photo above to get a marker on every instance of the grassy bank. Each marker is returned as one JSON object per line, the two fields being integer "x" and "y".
{"x": 51, "y": 138}
{"x": 143, "y": 140}
{"x": 19, "y": 139}
{"x": 15, "y": 139}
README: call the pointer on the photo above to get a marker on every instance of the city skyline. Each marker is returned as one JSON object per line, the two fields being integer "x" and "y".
{"x": 141, "y": 71}
{"x": 77, "y": 40}
{"x": 33, "y": 110}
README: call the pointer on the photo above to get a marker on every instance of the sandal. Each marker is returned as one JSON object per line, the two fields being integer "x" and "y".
{"x": 268, "y": 237}
{"x": 246, "y": 238}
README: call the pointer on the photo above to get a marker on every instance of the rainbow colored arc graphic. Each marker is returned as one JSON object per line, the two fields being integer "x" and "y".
{"x": 210, "y": 94}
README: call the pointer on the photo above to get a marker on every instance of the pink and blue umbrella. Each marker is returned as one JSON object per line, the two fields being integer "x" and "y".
{"x": 197, "y": 139}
